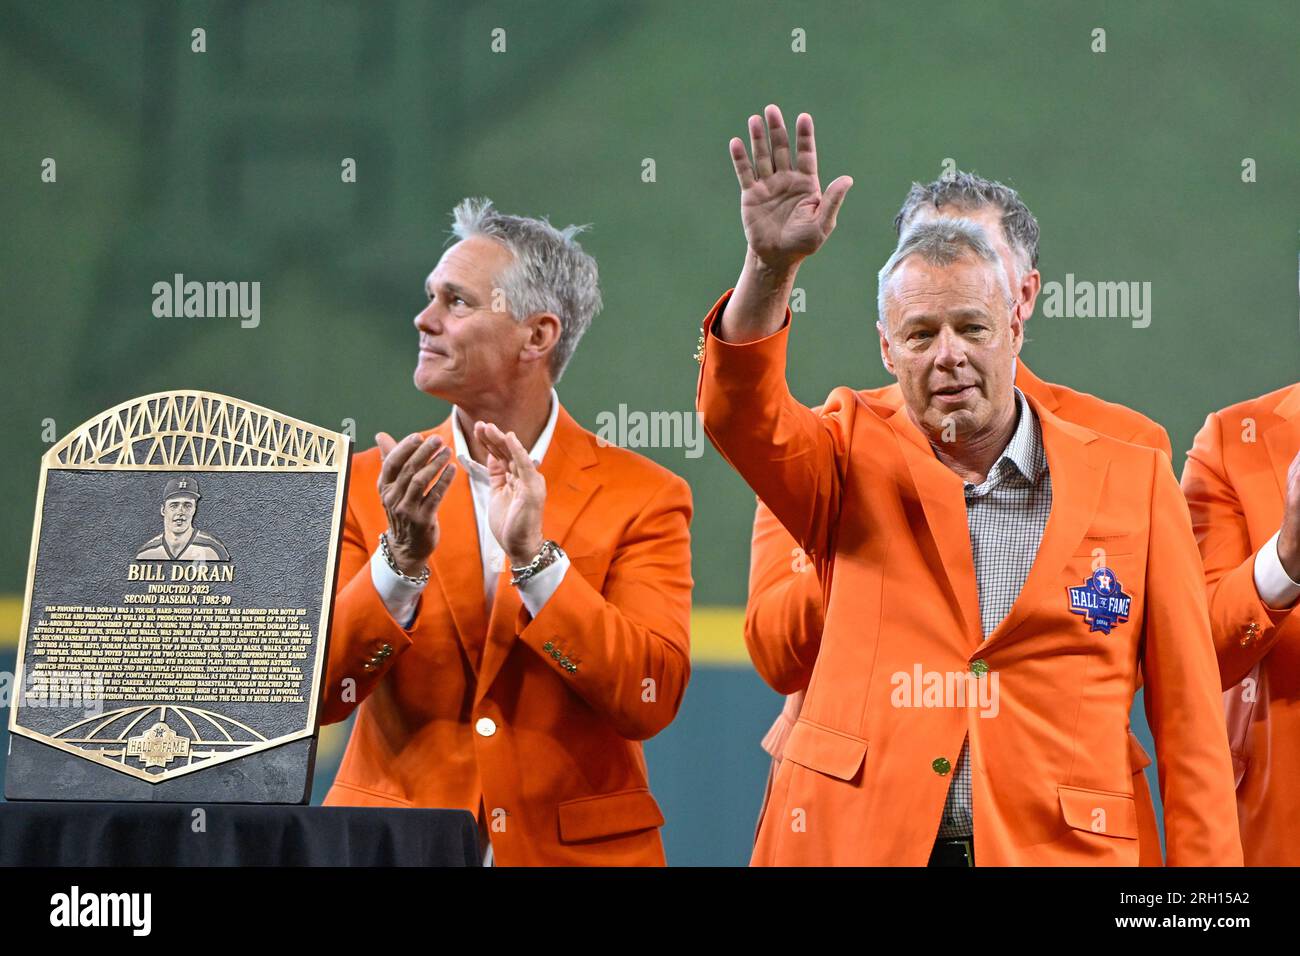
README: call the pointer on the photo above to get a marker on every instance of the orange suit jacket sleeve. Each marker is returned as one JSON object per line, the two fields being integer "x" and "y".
{"x": 632, "y": 642}
{"x": 783, "y": 616}
{"x": 799, "y": 476}
{"x": 791, "y": 456}
{"x": 1180, "y": 676}
{"x": 1219, "y": 522}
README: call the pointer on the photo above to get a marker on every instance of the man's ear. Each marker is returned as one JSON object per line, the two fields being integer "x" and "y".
{"x": 1030, "y": 285}
{"x": 543, "y": 334}
{"x": 885, "y": 358}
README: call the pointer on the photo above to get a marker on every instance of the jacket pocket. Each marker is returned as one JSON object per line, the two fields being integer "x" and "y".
{"x": 1099, "y": 811}
{"x": 608, "y": 814}
{"x": 827, "y": 751}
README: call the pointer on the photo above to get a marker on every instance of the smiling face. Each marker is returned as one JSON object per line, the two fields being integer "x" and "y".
{"x": 466, "y": 345}
{"x": 951, "y": 343}
{"x": 178, "y": 515}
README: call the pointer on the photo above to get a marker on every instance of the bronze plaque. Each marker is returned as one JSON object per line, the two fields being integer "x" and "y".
{"x": 177, "y": 607}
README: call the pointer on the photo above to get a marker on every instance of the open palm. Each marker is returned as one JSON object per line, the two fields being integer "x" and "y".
{"x": 785, "y": 213}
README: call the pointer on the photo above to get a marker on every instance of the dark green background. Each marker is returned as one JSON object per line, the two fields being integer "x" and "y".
{"x": 225, "y": 166}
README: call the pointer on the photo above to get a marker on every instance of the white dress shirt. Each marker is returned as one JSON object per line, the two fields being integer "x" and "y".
{"x": 1275, "y": 587}
{"x": 402, "y": 597}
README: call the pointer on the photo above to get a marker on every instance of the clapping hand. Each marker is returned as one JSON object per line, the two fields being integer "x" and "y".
{"x": 407, "y": 469}
{"x": 518, "y": 494}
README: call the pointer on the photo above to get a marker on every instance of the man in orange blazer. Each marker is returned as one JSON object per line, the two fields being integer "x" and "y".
{"x": 957, "y": 539}
{"x": 509, "y": 633}
{"x": 784, "y": 596}
{"x": 1242, "y": 482}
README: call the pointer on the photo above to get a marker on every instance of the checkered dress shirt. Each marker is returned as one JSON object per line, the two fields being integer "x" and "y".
{"x": 1006, "y": 516}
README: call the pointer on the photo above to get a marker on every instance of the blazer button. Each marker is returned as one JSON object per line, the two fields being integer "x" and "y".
{"x": 979, "y": 668}
{"x": 940, "y": 765}
{"x": 1249, "y": 633}
{"x": 485, "y": 726}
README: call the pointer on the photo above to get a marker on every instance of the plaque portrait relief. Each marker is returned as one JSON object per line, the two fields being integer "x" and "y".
{"x": 178, "y": 603}
{"x": 181, "y": 540}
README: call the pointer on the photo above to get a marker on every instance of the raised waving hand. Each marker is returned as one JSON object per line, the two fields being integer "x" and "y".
{"x": 786, "y": 214}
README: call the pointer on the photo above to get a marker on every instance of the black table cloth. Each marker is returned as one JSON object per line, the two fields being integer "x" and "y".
{"x": 154, "y": 834}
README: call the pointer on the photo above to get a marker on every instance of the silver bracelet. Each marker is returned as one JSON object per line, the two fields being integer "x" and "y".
{"x": 548, "y": 555}
{"x": 422, "y": 580}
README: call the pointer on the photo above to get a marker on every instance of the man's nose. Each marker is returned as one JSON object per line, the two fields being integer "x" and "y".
{"x": 428, "y": 319}
{"x": 950, "y": 349}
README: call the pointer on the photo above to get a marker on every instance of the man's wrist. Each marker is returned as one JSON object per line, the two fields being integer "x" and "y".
{"x": 400, "y": 594}
{"x": 547, "y": 554}
{"x": 769, "y": 274}
{"x": 415, "y": 572}
{"x": 758, "y": 305}
{"x": 524, "y": 556}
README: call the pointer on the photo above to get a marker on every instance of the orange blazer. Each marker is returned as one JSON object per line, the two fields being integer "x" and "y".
{"x": 864, "y": 781}
{"x": 531, "y": 723}
{"x": 784, "y": 598}
{"x": 1235, "y": 482}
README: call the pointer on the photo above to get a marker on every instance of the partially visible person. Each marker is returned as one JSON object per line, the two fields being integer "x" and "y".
{"x": 1242, "y": 482}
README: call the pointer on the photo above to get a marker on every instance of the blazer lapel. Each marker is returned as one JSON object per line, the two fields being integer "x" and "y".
{"x": 457, "y": 564}
{"x": 568, "y": 468}
{"x": 1078, "y": 471}
{"x": 944, "y": 502}
{"x": 570, "y": 479}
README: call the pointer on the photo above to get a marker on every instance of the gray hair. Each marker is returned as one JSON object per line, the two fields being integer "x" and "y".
{"x": 967, "y": 191}
{"x": 550, "y": 271}
{"x": 940, "y": 242}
